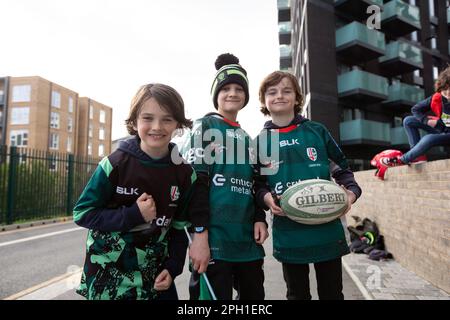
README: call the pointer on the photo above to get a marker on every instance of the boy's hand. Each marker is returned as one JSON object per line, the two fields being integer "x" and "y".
{"x": 351, "y": 198}
{"x": 199, "y": 252}
{"x": 147, "y": 207}
{"x": 432, "y": 123}
{"x": 163, "y": 281}
{"x": 260, "y": 232}
{"x": 270, "y": 202}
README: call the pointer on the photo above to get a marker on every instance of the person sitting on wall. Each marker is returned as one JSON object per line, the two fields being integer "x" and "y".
{"x": 436, "y": 125}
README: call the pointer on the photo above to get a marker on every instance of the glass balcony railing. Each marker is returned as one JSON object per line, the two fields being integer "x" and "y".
{"x": 285, "y": 27}
{"x": 2, "y": 98}
{"x": 283, "y": 4}
{"x": 403, "y": 11}
{"x": 369, "y": 2}
{"x": 405, "y": 51}
{"x": 405, "y": 92}
{"x": 356, "y": 31}
{"x": 285, "y": 51}
{"x": 357, "y": 79}
{"x": 448, "y": 15}
{"x": 361, "y": 129}
{"x": 398, "y": 136}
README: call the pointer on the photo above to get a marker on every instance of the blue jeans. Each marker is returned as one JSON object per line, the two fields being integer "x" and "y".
{"x": 421, "y": 146}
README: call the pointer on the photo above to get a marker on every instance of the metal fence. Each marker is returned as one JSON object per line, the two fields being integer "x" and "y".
{"x": 38, "y": 185}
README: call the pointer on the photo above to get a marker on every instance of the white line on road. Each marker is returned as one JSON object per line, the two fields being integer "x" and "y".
{"x": 45, "y": 235}
{"x": 50, "y": 289}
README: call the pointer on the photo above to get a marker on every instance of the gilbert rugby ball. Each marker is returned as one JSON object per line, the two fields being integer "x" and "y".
{"x": 314, "y": 201}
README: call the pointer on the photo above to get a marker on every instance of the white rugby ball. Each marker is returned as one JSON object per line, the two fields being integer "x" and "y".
{"x": 314, "y": 201}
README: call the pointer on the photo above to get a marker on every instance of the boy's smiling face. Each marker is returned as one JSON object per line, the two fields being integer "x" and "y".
{"x": 155, "y": 127}
{"x": 280, "y": 98}
{"x": 231, "y": 98}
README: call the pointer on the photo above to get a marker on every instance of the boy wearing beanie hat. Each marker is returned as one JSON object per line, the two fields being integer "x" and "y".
{"x": 237, "y": 228}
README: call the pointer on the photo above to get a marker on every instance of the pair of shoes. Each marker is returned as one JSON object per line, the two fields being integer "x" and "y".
{"x": 420, "y": 159}
{"x": 392, "y": 161}
{"x": 386, "y": 159}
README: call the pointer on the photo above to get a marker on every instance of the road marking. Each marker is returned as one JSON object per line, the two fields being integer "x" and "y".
{"x": 49, "y": 289}
{"x": 34, "y": 227}
{"x": 45, "y": 235}
{"x": 357, "y": 282}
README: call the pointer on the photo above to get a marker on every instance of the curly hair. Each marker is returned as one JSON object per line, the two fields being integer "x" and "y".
{"x": 166, "y": 96}
{"x": 272, "y": 80}
{"x": 443, "y": 81}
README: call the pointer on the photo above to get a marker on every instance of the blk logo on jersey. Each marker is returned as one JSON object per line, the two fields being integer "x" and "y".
{"x": 174, "y": 193}
{"x": 312, "y": 153}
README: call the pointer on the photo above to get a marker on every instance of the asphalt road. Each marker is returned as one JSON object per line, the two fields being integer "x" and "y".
{"x": 32, "y": 262}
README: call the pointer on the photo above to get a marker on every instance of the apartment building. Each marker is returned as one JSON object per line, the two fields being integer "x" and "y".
{"x": 43, "y": 115}
{"x": 363, "y": 64}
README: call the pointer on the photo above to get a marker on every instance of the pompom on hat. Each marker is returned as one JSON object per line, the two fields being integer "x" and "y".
{"x": 229, "y": 71}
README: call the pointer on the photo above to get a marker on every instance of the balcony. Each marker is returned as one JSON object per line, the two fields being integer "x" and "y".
{"x": 363, "y": 87}
{"x": 400, "y": 18}
{"x": 365, "y": 132}
{"x": 284, "y": 10}
{"x": 400, "y": 58}
{"x": 399, "y": 137}
{"x": 402, "y": 96}
{"x": 356, "y": 8}
{"x": 284, "y": 32}
{"x": 356, "y": 43}
{"x": 285, "y": 56}
{"x": 2, "y": 98}
{"x": 448, "y": 19}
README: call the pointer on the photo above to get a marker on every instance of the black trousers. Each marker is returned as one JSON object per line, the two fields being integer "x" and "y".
{"x": 246, "y": 277}
{"x": 328, "y": 277}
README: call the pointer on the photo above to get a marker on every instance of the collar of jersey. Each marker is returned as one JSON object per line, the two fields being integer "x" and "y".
{"x": 231, "y": 123}
{"x": 286, "y": 129}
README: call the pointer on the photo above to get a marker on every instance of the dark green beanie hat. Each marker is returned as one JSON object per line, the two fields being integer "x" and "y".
{"x": 229, "y": 71}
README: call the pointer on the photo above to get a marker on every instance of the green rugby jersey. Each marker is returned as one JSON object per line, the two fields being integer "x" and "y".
{"x": 305, "y": 151}
{"x": 123, "y": 253}
{"x": 219, "y": 148}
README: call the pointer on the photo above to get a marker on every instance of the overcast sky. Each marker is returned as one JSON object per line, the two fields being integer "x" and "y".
{"x": 106, "y": 49}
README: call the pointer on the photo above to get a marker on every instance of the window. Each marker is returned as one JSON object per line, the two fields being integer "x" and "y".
{"x": 70, "y": 104}
{"x": 69, "y": 144}
{"x": 102, "y": 116}
{"x": 56, "y": 99}
{"x": 91, "y": 112}
{"x": 54, "y": 141}
{"x": 101, "y": 150}
{"x": 54, "y": 120}
{"x": 90, "y": 148}
{"x": 18, "y": 138}
{"x": 21, "y": 93}
{"x": 435, "y": 73}
{"x": 101, "y": 133}
{"x": 20, "y": 115}
{"x": 69, "y": 124}
{"x": 432, "y": 8}
{"x": 90, "y": 131}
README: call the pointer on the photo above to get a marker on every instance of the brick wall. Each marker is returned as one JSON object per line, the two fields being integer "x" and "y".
{"x": 412, "y": 209}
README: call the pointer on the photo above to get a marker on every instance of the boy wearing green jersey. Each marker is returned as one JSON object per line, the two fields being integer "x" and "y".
{"x": 306, "y": 151}
{"x": 218, "y": 149}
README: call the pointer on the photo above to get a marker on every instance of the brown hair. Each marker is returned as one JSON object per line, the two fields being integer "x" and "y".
{"x": 272, "y": 80}
{"x": 167, "y": 97}
{"x": 443, "y": 81}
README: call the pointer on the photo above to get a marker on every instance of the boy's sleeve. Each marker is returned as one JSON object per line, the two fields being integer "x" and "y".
{"x": 260, "y": 187}
{"x": 339, "y": 168}
{"x": 193, "y": 149}
{"x": 420, "y": 110}
{"x": 91, "y": 210}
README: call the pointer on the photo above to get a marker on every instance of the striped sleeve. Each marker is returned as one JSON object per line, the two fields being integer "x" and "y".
{"x": 91, "y": 210}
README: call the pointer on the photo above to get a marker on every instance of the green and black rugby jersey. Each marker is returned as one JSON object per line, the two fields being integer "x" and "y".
{"x": 219, "y": 149}
{"x": 305, "y": 150}
{"x": 123, "y": 253}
